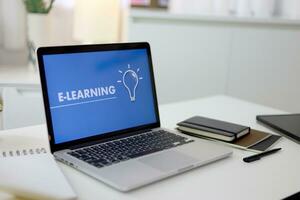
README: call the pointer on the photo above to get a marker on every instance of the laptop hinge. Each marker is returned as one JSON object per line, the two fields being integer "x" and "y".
{"x": 109, "y": 139}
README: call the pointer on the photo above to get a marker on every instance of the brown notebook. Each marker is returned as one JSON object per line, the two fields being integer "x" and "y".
{"x": 251, "y": 139}
{"x": 246, "y": 142}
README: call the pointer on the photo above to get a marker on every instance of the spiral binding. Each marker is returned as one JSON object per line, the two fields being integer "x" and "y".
{"x": 23, "y": 152}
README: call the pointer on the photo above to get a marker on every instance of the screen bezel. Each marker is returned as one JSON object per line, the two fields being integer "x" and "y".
{"x": 91, "y": 48}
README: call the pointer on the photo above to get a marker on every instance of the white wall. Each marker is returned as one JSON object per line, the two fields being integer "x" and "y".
{"x": 185, "y": 62}
{"x": 266, "y": 64}
{"x": 254, "y": 59}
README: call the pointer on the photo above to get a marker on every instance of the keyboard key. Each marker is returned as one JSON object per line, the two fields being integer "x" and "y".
{"x": 108, "y": 153}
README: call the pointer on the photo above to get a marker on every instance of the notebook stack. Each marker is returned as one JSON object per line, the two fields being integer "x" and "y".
{"x": 235, "y": 135}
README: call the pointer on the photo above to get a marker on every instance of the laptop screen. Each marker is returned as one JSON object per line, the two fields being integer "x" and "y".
{"x": 93, "y": 93}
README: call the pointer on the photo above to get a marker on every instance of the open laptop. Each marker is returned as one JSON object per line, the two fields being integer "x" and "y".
{"x": 102, "y": 116}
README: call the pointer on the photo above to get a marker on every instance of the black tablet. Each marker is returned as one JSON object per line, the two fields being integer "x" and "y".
{"x": 288, "y": 125}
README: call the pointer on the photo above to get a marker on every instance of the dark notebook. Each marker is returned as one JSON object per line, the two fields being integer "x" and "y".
{"x": 213, "y": 128}
{"x": 288, "y": 125}
{"x": 256, "y": 141}
{"x": 265, "y": 144}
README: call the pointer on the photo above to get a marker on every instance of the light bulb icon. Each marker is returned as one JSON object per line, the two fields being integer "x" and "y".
{"x": 130, "y": 80}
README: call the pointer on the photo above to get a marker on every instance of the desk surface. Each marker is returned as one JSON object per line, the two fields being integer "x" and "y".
{"x": 273, "y": 177}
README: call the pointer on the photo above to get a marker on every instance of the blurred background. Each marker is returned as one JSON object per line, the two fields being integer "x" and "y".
{"x": 249, "y": 49}
{"x": 96, "y": 21}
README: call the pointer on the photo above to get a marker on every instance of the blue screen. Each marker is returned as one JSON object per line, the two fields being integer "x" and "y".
{"x": 93, "y": 93}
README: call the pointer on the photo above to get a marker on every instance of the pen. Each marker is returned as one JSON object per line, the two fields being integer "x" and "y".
{"x": 260, "y": 155}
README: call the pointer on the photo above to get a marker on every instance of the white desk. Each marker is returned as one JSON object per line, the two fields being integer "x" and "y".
{"x": 273, "y": 177}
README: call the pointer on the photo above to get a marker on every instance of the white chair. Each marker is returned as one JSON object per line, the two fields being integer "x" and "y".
{"x": 22, "y": 107}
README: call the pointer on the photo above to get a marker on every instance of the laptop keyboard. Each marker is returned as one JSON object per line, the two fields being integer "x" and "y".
{"x": 108, "y": 153}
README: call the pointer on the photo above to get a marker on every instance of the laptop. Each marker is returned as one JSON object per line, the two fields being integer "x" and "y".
{"x": 103, "y": 120}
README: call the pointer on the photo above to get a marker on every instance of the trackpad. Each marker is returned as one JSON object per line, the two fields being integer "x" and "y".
{"x": 168, "y": 161}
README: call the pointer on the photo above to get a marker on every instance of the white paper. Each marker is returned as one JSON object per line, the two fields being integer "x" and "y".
{"x": 34, "y": 177}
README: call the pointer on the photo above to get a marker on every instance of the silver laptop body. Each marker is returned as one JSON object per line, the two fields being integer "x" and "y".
{"x": 151, "y": 153}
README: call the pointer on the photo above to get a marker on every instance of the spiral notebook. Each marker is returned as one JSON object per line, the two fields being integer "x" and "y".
{"x": 28, "y": 169}
{"x": 19, "y": 142}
